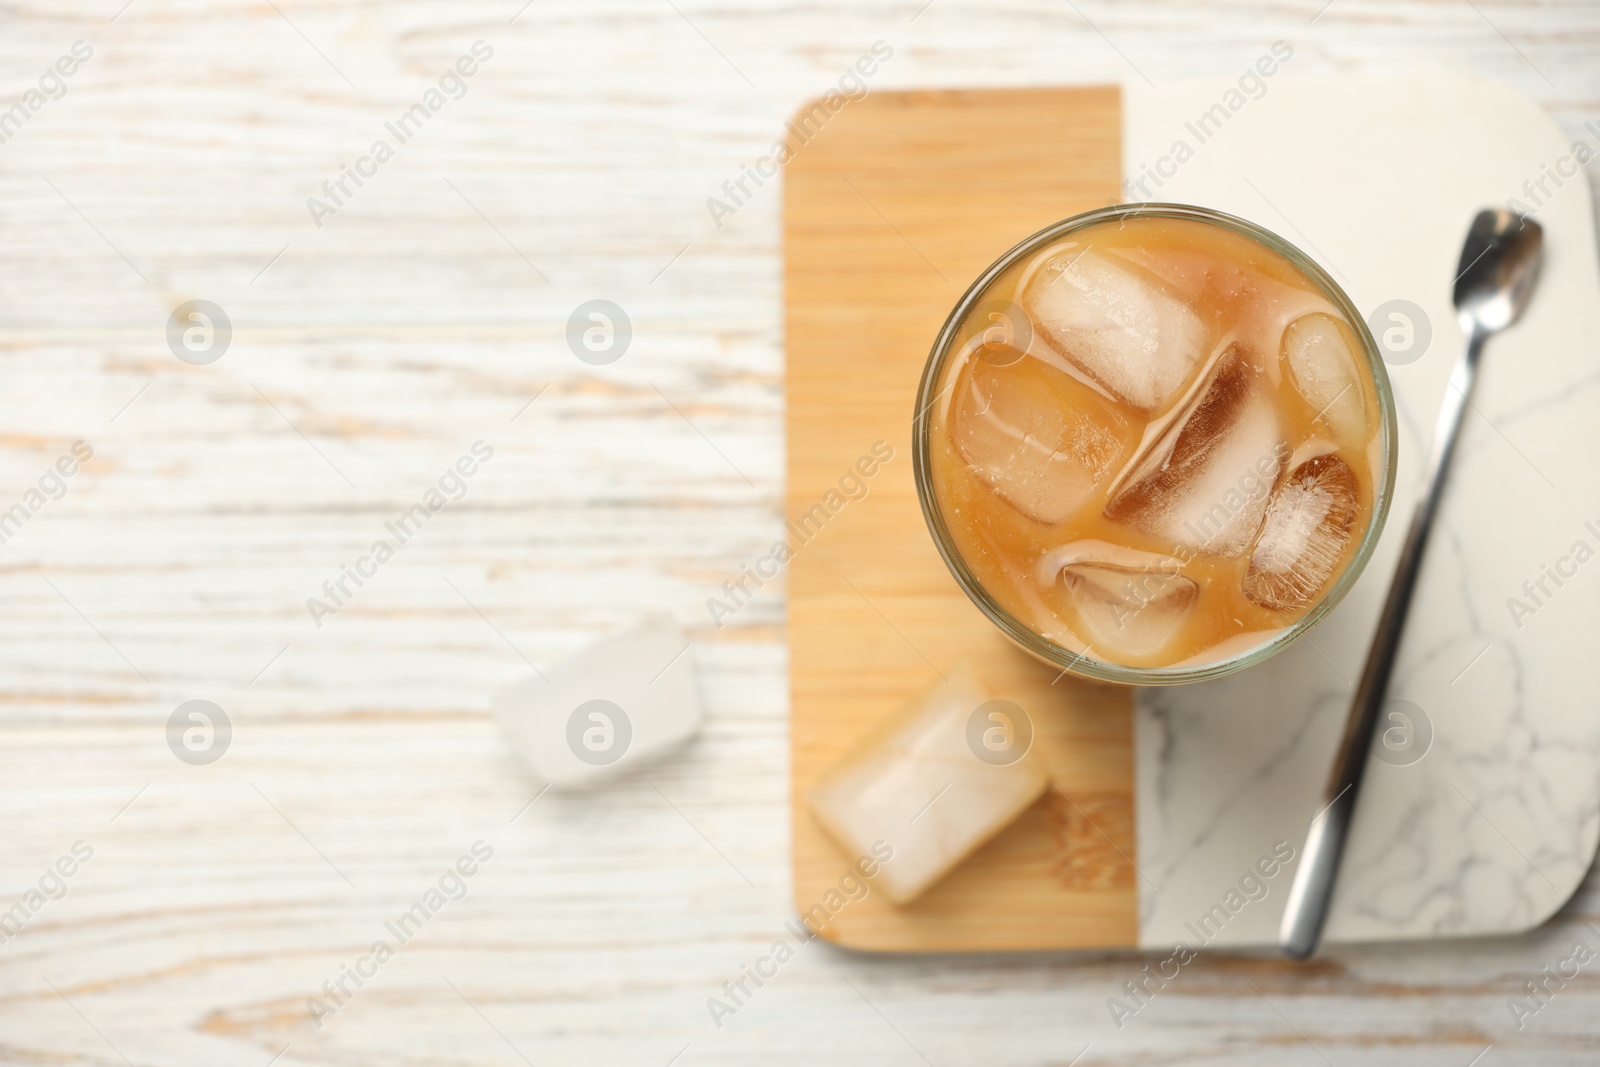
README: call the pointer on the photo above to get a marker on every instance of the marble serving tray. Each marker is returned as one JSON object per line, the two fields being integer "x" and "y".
{"x": 1481, "y": 809}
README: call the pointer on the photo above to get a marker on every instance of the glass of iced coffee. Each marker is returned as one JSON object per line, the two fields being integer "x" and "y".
{"x": 1155, "y": 444}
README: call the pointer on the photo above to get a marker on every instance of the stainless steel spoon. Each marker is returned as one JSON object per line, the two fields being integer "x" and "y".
{"x": 1499, "y": 263}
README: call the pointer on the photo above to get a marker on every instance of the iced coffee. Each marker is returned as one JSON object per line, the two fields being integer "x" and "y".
{"x": 1155, "y": 442}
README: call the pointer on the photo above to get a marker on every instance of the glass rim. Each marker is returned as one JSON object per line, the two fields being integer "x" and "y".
{"x": 1042, "y": 647}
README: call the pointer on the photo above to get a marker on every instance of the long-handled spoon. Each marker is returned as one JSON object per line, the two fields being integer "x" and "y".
{"x": 1499, "y": 263}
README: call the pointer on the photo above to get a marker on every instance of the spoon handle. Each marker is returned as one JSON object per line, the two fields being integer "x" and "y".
{"x": 1312, "y": 889}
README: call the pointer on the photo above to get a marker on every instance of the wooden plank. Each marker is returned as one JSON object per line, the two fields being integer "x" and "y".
{"x": 890, "y": 210}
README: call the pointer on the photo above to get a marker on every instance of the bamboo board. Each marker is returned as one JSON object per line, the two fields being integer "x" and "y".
{"x": 890, "y": 210}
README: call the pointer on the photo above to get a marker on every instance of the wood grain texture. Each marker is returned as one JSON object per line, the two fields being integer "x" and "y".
{"x": 890, "y": 210}
{"x": 394, "y": 336}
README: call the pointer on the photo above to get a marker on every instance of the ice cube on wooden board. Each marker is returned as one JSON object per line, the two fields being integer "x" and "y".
{"x": 948, "y": 772}
{"x": 618, "y": 703}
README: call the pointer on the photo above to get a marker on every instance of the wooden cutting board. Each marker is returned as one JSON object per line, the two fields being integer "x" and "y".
{"x": 890, "y": 210}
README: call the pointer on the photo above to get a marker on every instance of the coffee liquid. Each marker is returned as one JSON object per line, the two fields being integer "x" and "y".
{"x": 1156, "y": 442}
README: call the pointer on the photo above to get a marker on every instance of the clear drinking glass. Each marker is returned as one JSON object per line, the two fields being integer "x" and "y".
{"x": 1042, "y": 647}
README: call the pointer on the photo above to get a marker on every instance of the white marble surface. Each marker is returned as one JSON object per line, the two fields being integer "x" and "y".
{"x": 1493, "y": 827}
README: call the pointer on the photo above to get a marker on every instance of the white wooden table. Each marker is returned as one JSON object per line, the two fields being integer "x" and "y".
{"x": 367, "y": 355}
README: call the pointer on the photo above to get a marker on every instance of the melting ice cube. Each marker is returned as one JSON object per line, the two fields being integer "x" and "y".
{"x": 1303, "y": 538}
{"x": 947, "y": 773}
{"x": 1202, "y": 479}
{"x": 1034, "y": 435}
{"x": 613, "y": 706}
{"x": 1324, "y": 370}
{"x": 1117, "y": 324}
{"x": 1124, "y": 603}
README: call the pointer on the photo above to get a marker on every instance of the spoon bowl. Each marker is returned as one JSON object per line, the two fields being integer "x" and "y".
{"x": 1499, "y": 264}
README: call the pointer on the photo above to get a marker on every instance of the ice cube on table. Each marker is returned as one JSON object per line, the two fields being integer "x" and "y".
{"x": 1201, "y": 480}
{"x": 938, "y": 779}
{"x": 1324, "y": 370}
{"x": 1303, "y": 538}
{"x": 1030, "y": 433}
{"x": 1123, "y": 603}
{"x": 1116, "y": 324}
{"x": 617, "y": 704}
